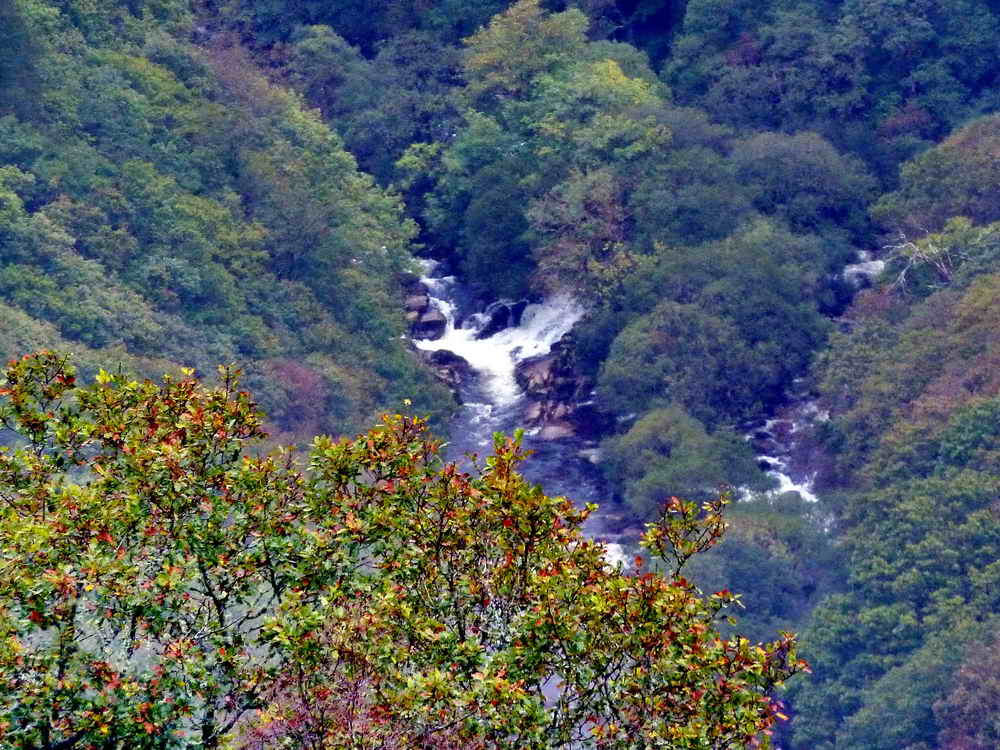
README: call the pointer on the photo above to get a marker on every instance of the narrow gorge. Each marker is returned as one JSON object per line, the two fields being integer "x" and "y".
{"x": 509, "y": 365}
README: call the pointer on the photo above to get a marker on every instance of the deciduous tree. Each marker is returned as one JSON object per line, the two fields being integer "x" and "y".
{"x": 161, "y": 586}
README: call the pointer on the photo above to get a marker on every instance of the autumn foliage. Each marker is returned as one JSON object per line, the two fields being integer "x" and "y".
{"x": 163, "y": 586}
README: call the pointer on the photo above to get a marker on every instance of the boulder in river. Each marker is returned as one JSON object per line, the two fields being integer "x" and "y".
{"x": 450, "y": 368}
{"x": 548, "y": 377}
{"x": 498, "y": 317}
{"x": 430, "y": 325}
{"x": 417, "y": 303}
{"x": 410, "y": 281}
{"x": 557, "y": 430}
{"x": 560, "y": 398}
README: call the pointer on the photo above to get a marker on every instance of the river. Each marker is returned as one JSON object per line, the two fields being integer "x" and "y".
{"x": 494, "y": 402}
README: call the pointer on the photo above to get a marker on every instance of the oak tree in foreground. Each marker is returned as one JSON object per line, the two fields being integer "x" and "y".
{"x": 164, "y": 586}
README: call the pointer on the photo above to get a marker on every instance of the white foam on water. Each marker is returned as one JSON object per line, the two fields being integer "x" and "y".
{"x": 865, "y": 269}
{"x": 495, "y": 357}
{"x": 779, "y": 471}
{"x": 787, "y": 484}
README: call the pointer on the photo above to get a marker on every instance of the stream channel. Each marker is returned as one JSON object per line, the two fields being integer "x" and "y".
{"x": 492, "y": 401}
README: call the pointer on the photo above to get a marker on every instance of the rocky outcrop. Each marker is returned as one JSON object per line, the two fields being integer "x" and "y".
{"x": 560, "y": 400}
{"x": 416, "y": 304}
{"x": 450, "y": 368}
{"x": 498, "y": 317}
{"x": 430, "y": 325}
{"x": 501, "y": 315}
{"x": 426, "y": 322}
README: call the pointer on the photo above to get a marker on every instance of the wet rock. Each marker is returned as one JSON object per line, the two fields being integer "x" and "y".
{"x": 431, "y": 325}
{"x": 447, "y": 358}
{"x": 536, "y": 375}
{"x": 782, "y": 430}
{"x": 766, "y": 447}
{"x": 412, "y": 286}
{"x": 408, "y": 280}
{"x": 560, "y": 401}
{"x": 450, "y": 368}
{"x": 417, "y": 303}
{"x": 534, "y": 413}
{"x": 517, "y": 312}
{"x": 549, "y": 376}
{"x": 557, "y": 430}
{"x": 498, "y": 318}
{"x": 560, "y": 410}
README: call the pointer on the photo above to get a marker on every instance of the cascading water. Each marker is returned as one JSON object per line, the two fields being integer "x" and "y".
{"x": 495, "y": 358}
{"x": 774, "y": 441}
{"x": 494, "y": 402}
{"x": 864, "y": 270}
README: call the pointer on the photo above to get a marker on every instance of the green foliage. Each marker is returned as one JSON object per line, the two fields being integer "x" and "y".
{"x": 955, "y": 178}
{"x": 677, "y": 353}
{"x": 164, "y": 588}
{"x": 905, "y": 693}
{"x": 917, "y": 550}
{"x": 364, "y": 24}
{"x": 380, "y": 106}
{"x": 166, "y": 204}
{"x": 968, "y": 714}
{"x": 776, "y": 553}
{"x": 170, "y": 203}
{"x": 518, "y": 46}
{"x": 580, "y": 226}
{"x": 729, "y": 343}
{"x": 21, "y": 48}
{"x": 939, "y": 359}
{"x": 916, "y": 444}
{"x": 805, "y": 181}
{"x": 881, "y": 77}
{"x": 668, "y": 453}
{"x": 131, "y": 601}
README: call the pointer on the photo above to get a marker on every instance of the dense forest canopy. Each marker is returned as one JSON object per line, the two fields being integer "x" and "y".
{"x": 189, "y": 594}
{"x": 244, "y": 181}
{"x": 166, "y": 205}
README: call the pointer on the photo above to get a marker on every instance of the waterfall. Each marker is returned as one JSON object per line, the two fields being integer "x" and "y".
{"x": 864, "y": 271}
{"x": 495, "y": 358}
{"x": 493, "y": 401}
{"x": 774, "y": 441}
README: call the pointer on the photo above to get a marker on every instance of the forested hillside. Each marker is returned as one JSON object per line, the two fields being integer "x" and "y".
{"x": 187, "y": 184}
{"x": 164, "y": 205}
